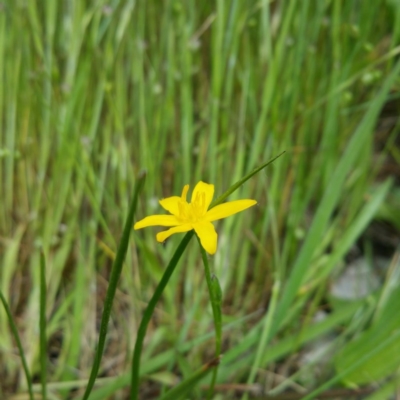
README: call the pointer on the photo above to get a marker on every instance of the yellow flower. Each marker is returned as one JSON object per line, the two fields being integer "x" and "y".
{"x": 195, "y": 215}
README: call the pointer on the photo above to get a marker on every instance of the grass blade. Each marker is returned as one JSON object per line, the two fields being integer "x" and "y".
{"x": 112, "y": 287}
{"x": 19, "y": 344}
{"x": 42, "y": 327}
{"x": 239, "y": 183}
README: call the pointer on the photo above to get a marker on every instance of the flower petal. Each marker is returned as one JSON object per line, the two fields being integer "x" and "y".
{"x": 205, "y": 188}
{"x": 156, "y": 220}
{"x": 227, "y": 209}
{"x": 161, "y": 236}
{"x": 208, "y": 237}
{"x": 171, "y": 204}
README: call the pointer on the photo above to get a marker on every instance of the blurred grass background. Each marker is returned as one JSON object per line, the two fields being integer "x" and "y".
{"x": 93, "y": 91}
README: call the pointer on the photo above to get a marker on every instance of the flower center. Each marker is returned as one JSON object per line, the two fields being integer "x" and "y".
{"x": 194, "y": 211}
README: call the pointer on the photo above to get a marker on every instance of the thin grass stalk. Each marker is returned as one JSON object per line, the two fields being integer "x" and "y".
{"x": 262, "y": 344}
{"x": 240, "y": 182}
{"x": 269, "y": 86}
{"x": 42, "y": 326}
{"x": 135, "y": 370}
{"x": 216, "y": 84}
{"x": 214, "y": 290}
{"x": 19, "y": 344}
{"x": 112, "y": 287}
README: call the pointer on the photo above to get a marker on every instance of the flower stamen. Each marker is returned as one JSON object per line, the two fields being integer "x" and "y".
{"x": 184, "y": 192}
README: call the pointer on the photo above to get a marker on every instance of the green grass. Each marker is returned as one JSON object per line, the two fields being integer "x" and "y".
{"x": 91, "y": 92}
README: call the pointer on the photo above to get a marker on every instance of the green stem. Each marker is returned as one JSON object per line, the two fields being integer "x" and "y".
{"x": 42, "y": 326}
{"x": 112, "y": 287}
{"x": 149, "y": 312}
{"x": 216, "y": 299}
{"x": 19, "y": 345}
